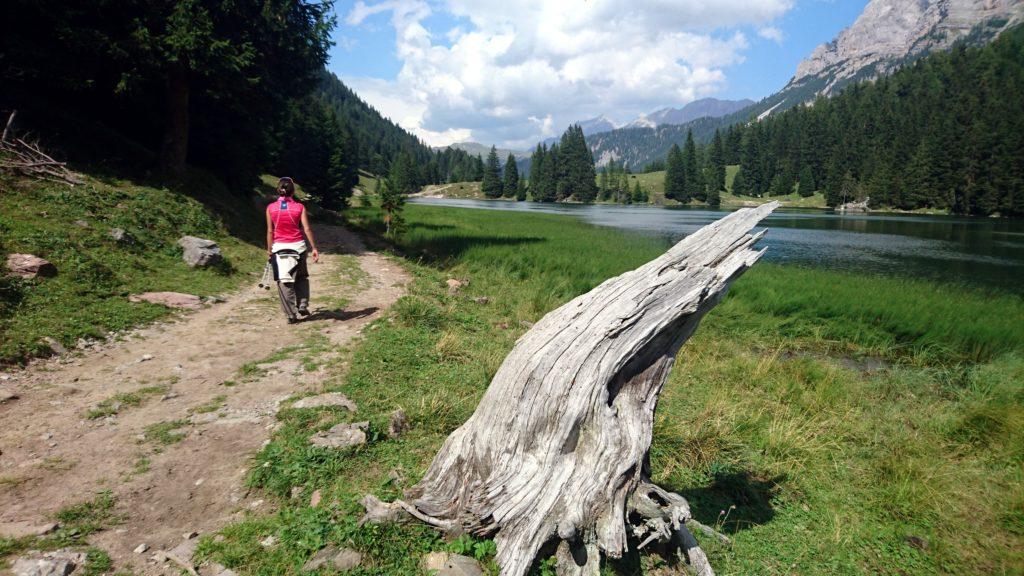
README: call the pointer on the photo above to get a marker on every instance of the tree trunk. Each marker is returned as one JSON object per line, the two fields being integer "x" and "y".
{"x": 174, "y": 149}
{"x": 557, "y": 449}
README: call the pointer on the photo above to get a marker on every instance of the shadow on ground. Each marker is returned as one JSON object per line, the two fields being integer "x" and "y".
{"x": 734, "y": 500}
{"x": 342, "y": 314}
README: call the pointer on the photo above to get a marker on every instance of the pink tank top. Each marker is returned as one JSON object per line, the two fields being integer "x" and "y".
{"x": 286, "y": 216}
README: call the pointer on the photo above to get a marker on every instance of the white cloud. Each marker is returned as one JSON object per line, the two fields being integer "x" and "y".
{"x": 516, "y": 71}
{"x": 772, "y": 33}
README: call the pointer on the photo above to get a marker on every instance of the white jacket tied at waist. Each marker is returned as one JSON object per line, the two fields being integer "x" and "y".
{"x": 288, "y": 261}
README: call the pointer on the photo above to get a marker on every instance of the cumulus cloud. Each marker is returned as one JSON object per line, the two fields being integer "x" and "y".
{"x": 516, "y": 71}
{"x": 771, "y": 33}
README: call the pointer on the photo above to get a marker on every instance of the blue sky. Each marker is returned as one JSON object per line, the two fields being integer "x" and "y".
{"x": 513, "y": 72}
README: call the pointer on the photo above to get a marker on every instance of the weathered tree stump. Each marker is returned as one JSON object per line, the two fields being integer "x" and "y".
{"x": 557, "y": 449}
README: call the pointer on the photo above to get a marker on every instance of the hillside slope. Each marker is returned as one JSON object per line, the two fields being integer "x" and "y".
{"x": 70, "y": 227}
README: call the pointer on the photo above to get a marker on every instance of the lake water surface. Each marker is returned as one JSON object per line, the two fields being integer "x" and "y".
{"x": 980, "y": 251}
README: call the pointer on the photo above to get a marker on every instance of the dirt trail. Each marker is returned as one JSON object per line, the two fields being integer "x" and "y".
{"x": 53, "y": 455}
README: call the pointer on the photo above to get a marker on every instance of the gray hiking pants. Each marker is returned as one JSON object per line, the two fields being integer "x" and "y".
{"x": 294, "y": 295}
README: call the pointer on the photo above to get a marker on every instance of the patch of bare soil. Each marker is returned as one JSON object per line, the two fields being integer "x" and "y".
{"x": 193, "y": 404}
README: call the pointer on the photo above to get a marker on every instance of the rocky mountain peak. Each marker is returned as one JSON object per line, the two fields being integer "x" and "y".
{"x": 890, "y": 32}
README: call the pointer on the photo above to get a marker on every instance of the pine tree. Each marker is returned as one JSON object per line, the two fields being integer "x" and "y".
{"x": 537, "y": 172}
{"x": 520, "y": 190}
{"x": 806, "y": 185}
{"x": 675, "y": 175}
{"x": 491, "y": 185}
{"x": 639, "y": 195}
{"x": 694, "y": 184}
{"x": 549, "y": 176}
{"x": 510, "y": 178}
{"x": 739, "y": 183}
{"x": 714, "y": 197}
{"x": 392, "y": 202}
{"x": 716, "y": 161}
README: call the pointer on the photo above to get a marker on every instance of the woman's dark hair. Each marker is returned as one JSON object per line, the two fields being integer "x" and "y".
{"x": 286, "y": 187}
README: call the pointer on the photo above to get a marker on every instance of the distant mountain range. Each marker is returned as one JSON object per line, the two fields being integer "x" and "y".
{"x": 476, "y": 148}
{"x": 705, "y": 107}
{"x": 887, "y": 35}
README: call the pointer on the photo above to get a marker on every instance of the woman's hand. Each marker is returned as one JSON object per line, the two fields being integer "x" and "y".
{"x": 316, "y": 256}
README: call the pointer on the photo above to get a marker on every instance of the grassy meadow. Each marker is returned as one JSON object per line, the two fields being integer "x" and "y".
{"x": 71, "y": 228}
{"x": 830, "y": 423}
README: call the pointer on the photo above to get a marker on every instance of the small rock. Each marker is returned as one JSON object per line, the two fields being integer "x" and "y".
{"x": 526, "y": 324}
{"x": 169, "y": 396}
{"x": 15, "y": 530}
{"x": 120, "y": 236}
{"x": 6, "y": 395}
{"x": 396, "y": 477}
{"x": 341, "y": 436}
{"x": 503, "y": 325}
{"x": 200, "y": 481}
{"x": 268, "y": 541}
{"x": 219, "y": 570}
{"x": 145, "y": 358}
{"x": 455, "y": 285}
{"x": 448, "y": 564}
{"x": 481, "y": 299}
{"x": 30, "y": 266}
{"x": 190, "y": 535}
{"x": 169, "y": 299}
{"x": 916, "y": 542}
{"x": 315, "y": 499}
{"x": 398, "y": 424}
{"x": 46, "y": 436}
{"x": 56, "y": 347}
{"x": 339, "y": 559}
{"x": 81, "y": 223}
{"x": 329, "y": 399}
{"x": 141, "y": 548}
{"x": 214, "y": 300}
{"x": 199, "y": 251}
{"x": 296, "y": 492}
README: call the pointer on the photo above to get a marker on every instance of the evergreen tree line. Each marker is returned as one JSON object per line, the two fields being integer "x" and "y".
{"x": 946, "y": 132}
{"x": 564, "y": 171}
{"x": 502, "y": 181}
{"x": 613, "y": 185}
{"x": 692, "y": 174}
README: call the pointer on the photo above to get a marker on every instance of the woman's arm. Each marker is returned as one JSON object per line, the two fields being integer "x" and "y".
{"x": 270, "y": 234}
{"x": 309, "y": 236}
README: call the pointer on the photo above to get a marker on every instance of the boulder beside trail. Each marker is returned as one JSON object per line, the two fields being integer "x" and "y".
{"x": 55, "y": 563}
{"x": 30, "y": 266}
{"x": 169, "y": 299}
{"x": 341, "y": 436}
{"x": 199, "y": 251}
{"x": 121, "y": 236}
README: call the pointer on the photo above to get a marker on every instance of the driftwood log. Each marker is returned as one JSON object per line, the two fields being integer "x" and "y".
{"x": 557, "y": 450}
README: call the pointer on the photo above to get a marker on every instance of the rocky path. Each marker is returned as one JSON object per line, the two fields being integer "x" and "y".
{"x": 169, "y": 419}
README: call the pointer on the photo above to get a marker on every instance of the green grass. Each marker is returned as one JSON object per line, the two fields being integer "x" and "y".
{"x": 88, "y": 297}
{"x": 821, "y": 419}
{"x": 76, "y": 523}
{"x": 165, "y": 433}
{"x": 117, "y": 402}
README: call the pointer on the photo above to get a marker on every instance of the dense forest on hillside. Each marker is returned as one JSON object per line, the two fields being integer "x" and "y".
{"x": 946, "y": 132}
{"x": 238, "y": 89}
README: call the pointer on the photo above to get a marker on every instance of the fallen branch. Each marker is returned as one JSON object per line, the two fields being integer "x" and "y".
{"x": 557, "y": 450}
{"x": 27, "y": 159}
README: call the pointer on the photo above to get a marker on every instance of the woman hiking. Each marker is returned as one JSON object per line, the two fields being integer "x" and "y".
{"x": 286, "y": 250}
